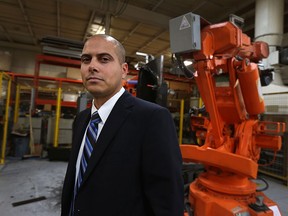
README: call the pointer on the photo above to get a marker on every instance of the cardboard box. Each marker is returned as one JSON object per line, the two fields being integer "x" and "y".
{"x": 74, "y": 73}
{"x": 47, "y": 107}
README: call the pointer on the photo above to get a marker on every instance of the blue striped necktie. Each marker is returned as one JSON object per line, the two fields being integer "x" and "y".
{"x": 90, "y": 141}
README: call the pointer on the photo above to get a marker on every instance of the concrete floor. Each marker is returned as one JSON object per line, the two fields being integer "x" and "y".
{"x": 22, "y": 180}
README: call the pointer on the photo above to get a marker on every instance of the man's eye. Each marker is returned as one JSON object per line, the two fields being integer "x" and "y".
{"x": 105, "y": 59}
{"x": 85, "y": 59}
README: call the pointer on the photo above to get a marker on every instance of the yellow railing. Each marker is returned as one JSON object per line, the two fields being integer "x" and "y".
{"x": 58, "y": 113}
{"x": 16, "y": 105}
{"x": 6, "y": 115}
{"x": 58, "y": 109}
{"x": 181, "y": 119}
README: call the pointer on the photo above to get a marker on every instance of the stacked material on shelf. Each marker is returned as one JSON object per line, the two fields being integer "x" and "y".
{"x": 61, "y": 47}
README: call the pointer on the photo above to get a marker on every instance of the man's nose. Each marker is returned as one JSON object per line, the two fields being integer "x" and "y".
{"x": 93, "y": 66}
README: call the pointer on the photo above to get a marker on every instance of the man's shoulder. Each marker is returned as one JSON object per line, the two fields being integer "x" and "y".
{"x": 138, "y": 104}
{"x": 147, "y": 105}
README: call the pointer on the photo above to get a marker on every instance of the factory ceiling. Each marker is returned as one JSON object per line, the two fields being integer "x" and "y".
{"x": 141, "y": 25}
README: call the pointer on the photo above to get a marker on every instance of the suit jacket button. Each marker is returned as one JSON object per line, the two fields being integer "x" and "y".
{"x": 77, "y": 211}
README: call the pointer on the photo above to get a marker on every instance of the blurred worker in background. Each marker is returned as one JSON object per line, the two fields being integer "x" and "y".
{"x": 134, "y": 168}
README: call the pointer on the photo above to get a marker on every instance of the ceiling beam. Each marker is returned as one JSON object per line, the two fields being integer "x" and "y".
{"x": 234, "y": 9}
{"x": 148, "y": 42}
{"x": 146, "y": 16}
{"x": 88, "y": 26}
{"x": 131, "y": 12}
{"x": 6, "y": 34}
{"x": 166, "y": 49}
{"x": 58, "y": 18}
{"x": 139, "y": 24}
{"x": 131, "y": 32}
{"x": 27, "y": 22}
{"x": 20, "y": 46}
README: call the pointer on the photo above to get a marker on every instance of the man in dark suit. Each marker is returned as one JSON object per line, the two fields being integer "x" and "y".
{"x": 135, "y": 165}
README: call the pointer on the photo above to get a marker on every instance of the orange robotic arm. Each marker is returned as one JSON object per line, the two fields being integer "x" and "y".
{"x": 226, "y": 73}
{"x": 229, "y": 85}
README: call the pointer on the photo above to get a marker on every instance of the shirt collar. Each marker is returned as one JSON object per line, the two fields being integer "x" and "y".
{"x": 107, "y": 107}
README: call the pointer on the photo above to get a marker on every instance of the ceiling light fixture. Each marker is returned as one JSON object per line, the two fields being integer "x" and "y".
{"x": 97, "y": 29}
{"x": 188, "y": 62}
{"x": 147, "y": 56}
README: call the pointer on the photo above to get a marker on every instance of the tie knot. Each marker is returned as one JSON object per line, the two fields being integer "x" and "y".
{"x": 95, "y": 118}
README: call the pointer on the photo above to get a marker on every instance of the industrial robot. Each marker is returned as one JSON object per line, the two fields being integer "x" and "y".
{"x": 224, "y": 63}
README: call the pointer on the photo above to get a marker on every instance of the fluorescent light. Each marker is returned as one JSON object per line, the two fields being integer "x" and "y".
{"x": 97, "y": 29}
{"x": 187, "y": 62}
{"x": 141, "y": 54}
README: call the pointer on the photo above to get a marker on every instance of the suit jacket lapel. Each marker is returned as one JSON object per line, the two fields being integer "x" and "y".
{"x": 116, "y": 118}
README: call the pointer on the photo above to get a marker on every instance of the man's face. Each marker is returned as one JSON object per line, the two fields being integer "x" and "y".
{"x": 101, "y": 71}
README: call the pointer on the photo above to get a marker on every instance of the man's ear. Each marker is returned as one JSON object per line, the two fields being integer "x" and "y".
{"x": 124, "y": 70}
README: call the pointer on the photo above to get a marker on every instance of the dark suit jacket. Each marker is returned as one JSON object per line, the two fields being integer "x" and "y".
{"x": 135, "y": 167}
